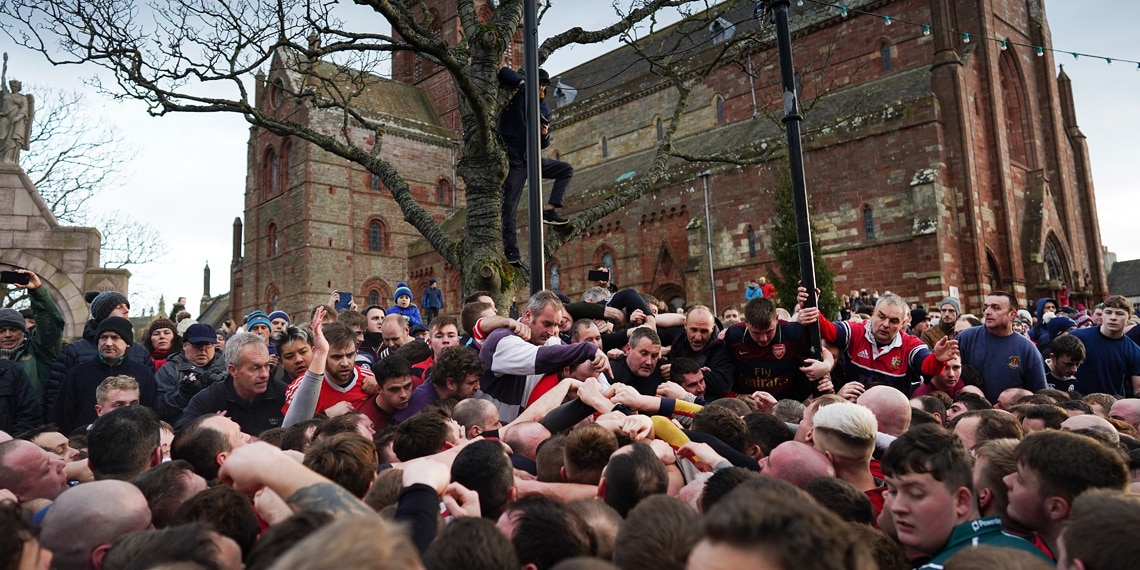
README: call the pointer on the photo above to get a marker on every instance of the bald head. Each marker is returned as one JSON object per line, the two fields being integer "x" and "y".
{"x": 891, "y": 408}
{"x": 797, "y": 463}
{"x": 1093, "y": 422}
{"x": 84, "y": 521}
{"x": 524, "y": 438}
{"x": 1009, "y": 397}
{"x": 1127, "y": 410}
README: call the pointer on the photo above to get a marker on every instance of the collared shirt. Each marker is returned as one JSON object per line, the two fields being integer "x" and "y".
{"x": 898, "y": 364}
{"x": 984, "y": 531}
{"x": 254, "y": 417}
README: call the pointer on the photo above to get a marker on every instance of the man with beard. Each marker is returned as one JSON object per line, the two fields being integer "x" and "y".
{"x": 948, "y": 310}
{"x": 345, "y": 385}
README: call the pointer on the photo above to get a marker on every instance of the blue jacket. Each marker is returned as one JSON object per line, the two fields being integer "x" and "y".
{"x": 433, "y": 298}
{"x": 83, "y": 350}
{"x": 412, "y": 313}
{"x": 752, "y": 292}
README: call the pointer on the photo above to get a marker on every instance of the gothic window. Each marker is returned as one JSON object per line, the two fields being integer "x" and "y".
{"x": 272, "y": 297}
{"x": 719, "y": 110}
{"x": 375, "y": 181}
{"x": 286, "y": 149}
{"x": 660, "y": 129}
{"x": 443, "y": 191}
{"x": 375, "y": 237}
{"x": 277, "y": 93}
{"x": 605, "y": 148}
{"x": 1016, "y": 106}
{"x": 555, "y": 278}
{"x": 608, "y": 263}
{"x": 868, "y": 222}
{"x": 373, "y": 297}
{"x": 1054, "y": 267}
{"x": 885, "y": 56}
{"x": 271, "y": 167}
{"x": 994, "y": 275}
{"x": 751, "y": 241}
{"x": 271, "y": 234}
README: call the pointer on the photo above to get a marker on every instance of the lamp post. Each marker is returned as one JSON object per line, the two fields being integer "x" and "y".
{"x": 533, "y": 148}
{"x": 708, "y": 238}
{"x": 792, "y": 119}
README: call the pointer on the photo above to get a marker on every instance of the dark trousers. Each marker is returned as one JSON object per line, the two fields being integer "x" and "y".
{"x": 429, "y": 314}
{"x": 560, "y": 172}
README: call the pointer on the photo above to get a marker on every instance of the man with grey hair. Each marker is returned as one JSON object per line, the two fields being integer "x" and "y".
{"x": 85, "y": 520}
{"x": 248, "y": 396}
{"x": 879, "y": 352}
{"x": 512, "y": 366}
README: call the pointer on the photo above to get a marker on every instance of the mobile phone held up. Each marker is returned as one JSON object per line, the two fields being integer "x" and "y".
{"x": 598, "y": 275}
{"x": 15, "y": 277}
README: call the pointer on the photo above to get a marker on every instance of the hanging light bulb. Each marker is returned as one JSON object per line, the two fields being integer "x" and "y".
{"x": 887, "y": 20}
{"x": 799, "y": 2}
{"x": 926, "y": 30}
{"x": 843, "y": 11}
{"x": 1109, "y": 60}
{"x": 1004, "y": 45}
{"x": 1076, "y": 55}
{"x": 965, "y": 38}
{"x": 1040, "y": 51}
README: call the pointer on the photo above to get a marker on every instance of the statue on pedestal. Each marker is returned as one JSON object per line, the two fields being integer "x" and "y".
{"x": 16, "y": 111}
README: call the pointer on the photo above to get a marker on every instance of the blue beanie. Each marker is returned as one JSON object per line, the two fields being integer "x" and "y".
{"x": 402, "y": 290}
{"x": 1058, "y": 325}
{"x": 280, "y": 315}
{"x": 257, "y": 317}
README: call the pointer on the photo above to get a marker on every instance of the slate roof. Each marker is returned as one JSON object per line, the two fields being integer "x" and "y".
{"x": 1125, "y": 278}
{"x": 626, "y": 69}
{"x": 746, "y": 137}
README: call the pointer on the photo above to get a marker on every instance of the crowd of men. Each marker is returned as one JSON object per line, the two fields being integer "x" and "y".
{"x": 601, "y": 433}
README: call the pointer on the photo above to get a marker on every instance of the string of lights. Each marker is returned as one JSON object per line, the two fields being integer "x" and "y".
{"x": 967, "y": 37}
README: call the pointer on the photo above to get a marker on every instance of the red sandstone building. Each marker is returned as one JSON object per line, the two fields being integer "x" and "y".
{"x": 933, "y": 163}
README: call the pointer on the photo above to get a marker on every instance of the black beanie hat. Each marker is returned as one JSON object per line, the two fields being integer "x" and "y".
{"x": 119, "y": 326}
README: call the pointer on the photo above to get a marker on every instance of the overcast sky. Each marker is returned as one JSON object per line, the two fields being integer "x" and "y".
{"x": 189, "y": 177}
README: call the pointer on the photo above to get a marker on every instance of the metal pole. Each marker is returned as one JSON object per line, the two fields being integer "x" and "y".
{"x": 708, "y": 239}
{"x": 792, "y": 118}
{"x": 533, "y": 147}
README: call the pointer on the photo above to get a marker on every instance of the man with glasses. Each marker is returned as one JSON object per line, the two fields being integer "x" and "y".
{"x": 197, "y": 367}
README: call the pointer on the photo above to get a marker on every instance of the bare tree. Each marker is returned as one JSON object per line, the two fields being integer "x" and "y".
{"x": 199, "y": 56}
{"x": 76, "y": 155}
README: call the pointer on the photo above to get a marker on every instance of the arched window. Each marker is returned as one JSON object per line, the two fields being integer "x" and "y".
{"x": 272, "y": 297}
{"x": 608, "y": 263}
{"x": 286, "y": 149}
{"x": 660, "y": 129}
{"x": 1054, "y": 263}
{"x": 719, "y": 110}
{"x": 375, "y": 180}
{"x": 271, "y": 234}
{"x": 375, "y": 237}
{"x": 751, "y": 241}
{"x": 868, "y": 222}
{"x": 994, "y": 273}
{"x": 277, "y": 93}
{"x": 443, "y": 191}
{"x": 271, "y": 171}
{"x": 1017, "y": 134}
{"x": 605, "y": 147}
{"x": 374, "y": 297}
{"x": 555, "y": 278}
{"x": 885, "y": 56}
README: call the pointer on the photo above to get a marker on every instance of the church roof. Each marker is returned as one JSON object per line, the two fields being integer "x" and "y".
{"x": 378, "y": 98}
{"x": 852, "y": 108}
{"x": 1125, "y": 278}
{"x": 624, "y": 68}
